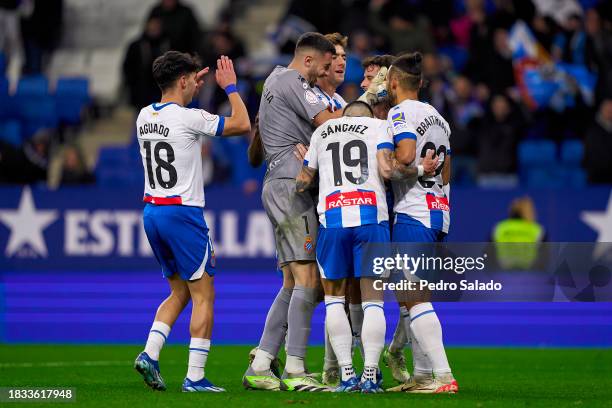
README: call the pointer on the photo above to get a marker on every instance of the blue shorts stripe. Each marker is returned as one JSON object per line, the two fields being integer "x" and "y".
{"x": 160, "y": 333}
{"x": 421, "y": 314}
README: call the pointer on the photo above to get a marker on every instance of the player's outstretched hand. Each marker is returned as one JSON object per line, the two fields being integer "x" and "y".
{"x": 200, "y": 78}
{"x": 225, "y": 74}
{"x": 430, "y": 163}
{"x": 300, "y": 152}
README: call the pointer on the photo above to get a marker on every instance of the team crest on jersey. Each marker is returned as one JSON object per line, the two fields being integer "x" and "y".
{"x": 308, "y": 244}
{"x": 398, "y": 119}
{"x": 311, "y": 97}
{"x": 208, "y": 116}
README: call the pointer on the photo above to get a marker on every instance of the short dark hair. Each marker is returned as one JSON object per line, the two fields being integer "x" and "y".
{"x": 381, "y": 60}
{"x": 408, "y": 71}
{"x": 171, "y": 66}
{"x": 358, "y": 105}
{"x": 315, "y": 41}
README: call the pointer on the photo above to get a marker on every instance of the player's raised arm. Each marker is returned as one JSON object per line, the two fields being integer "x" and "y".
{"x": 238, "y": 123}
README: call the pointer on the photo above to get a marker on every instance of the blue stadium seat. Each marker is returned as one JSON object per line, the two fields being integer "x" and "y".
{"x": 32, "y": 85}
{"x": 6, "y": 107}
{"x": 72, "y": 96}
{"x": 458, "y": 55}
{"x": 37, "y": 113}
{"x": 572, "y": 152}
{"x": 556, "y": 176}
{"x": 10, "y": 132}
{"x": 536, "y": 153}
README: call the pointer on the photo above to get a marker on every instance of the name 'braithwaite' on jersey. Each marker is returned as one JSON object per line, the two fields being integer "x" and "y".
{"x": 170, "y": 139}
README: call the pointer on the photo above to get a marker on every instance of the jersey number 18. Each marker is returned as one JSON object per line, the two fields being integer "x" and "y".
{"x": 160, "y": 164}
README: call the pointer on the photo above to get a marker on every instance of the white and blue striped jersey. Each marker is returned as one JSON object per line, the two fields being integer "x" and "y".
{"x": 423, "y": 201}
{"x": 170, "y": 138}
{"x": 333, "y": 103}
{"x": 351, "y": 190}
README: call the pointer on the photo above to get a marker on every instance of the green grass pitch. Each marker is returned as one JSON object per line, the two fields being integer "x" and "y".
{"x": 103, "y": 377}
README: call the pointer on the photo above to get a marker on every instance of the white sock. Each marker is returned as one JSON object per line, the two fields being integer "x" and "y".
{"x": 356, "y": 313}
{"x": 262, "y": 360}
{"x": 157, "y": 337}
{"x": 427, "y": 331}
{"x": 330, "y": 360}
{"x": 369, "y": 373}
{"x": 347, "y": 372}
{"x": 420, "y": 361}
{"x": 339, "y": 329}
{"x": 399, "y": 336}
{"x": 294, "y": 365}
{"x": 373, "y": 332}
{"x": 198, "y": 353}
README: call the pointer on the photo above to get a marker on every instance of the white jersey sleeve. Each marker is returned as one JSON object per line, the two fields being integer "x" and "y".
{"x": 351, "y": 190}
{"x": 421, "y": 202}
{"x": 202, "y": 123}
{"x": 170, "y": 139}
{"x": 385, "y": 137}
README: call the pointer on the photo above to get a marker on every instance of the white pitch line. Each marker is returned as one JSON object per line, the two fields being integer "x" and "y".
{"x": 51, "y": 364}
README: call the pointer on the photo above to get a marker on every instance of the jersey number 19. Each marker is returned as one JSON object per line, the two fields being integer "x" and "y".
{"x": 361, "y": 161}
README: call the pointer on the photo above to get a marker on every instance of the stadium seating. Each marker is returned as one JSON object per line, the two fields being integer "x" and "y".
{"x": 572, "y": 152}
{"x": 10, "y": 133}
{"x": 6, "y": 107}
{"x": 537, "y": 153}
{"x": 540, "y": 167}
{"x": 71, "y": 96}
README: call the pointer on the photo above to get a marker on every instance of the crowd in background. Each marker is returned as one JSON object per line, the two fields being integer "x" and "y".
{"x": 468, "y": 63}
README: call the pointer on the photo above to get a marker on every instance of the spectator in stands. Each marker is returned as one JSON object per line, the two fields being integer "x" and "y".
{"x": 498, "y": 138}
{"x": 463, "y": 26}
{"x": 598, "y": 145}
{"x": 9, "y": 28}
{"x": 599, "y": 49}
{"x": 179, "y": 24}
{"x": 496, "y": 71}
{"x": 26, "y": 164}
{"x": 399, "y": 22}
{"x": 41, "y": 33}
{"x": 138, "y": 61}
{"x": 74, "y": 169}
{"x": 464, "y": 113}
{"x": 570, "y": 44}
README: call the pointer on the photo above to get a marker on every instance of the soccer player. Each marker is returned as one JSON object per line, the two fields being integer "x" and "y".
{"x": 326, "y": 86}
{"x": 421, "y": 212}
{"x": 374, "y": 86}
{"x": 170, "y": 137}
{"x": 347, "y": 153}
{"x": 288, "y": 111}
{"x": 325, "y": 89}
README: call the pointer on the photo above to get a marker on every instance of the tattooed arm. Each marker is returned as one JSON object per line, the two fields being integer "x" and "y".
{"x": 305, "y": 179}
{"x": 392, "y": 169}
